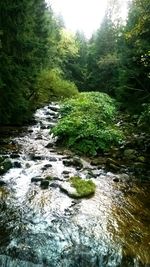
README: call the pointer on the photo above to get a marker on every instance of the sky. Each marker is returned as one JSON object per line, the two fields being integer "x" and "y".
{"x": 82, "y": 15}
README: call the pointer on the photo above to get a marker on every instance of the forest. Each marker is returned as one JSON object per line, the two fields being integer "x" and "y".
{"x": 74, "y": 138}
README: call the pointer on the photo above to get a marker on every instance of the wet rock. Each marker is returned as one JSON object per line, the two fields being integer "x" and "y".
{"x": 130, "y": 154}
{"x": 49, "y": 145}
{"x": 69, "y": 190}
{"x": 75, "y": 162}
{"x": 36, "y": 179}
{"x": 5, "y": 166}
{"x": 37, "y": 157}
{"x": 54, "y": 108}
{"x": 65, "y": 172}
{"x": 124, "y": 177}
{"x": 30, "y": 131}
{"x": 98, "y": 161}
{"x": 113, "y": 164}
{"x": 14, "y": 156}
{"x": 17, "y": 164}
{"x": 52, "y": 159}
{"x": 2, "y": 183}
{"x": 54, "y": 185}
{"x": 43, "y": 127}
{"x": 116, "y": 179}
{"x": 44, "y": 184}
{"x": 46, "y": 166}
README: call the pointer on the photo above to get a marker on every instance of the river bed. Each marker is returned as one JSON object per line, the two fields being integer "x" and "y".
{"x": 44, "y": 227}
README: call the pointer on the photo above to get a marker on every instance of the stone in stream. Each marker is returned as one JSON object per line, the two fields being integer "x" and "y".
{"x": 17, "y": 164}
{"x": 46, "y": 166}
{"x": 14, "y": 156}
{"x": 54, "y": 108}
{"x": 2, "y": 183}
{"x": 44, "y": 184}
{"x": 49, "y": 145}
{"x": 75, "y": 162}
{"x": 5, "y": 166}
{"x": 36, "y": 179}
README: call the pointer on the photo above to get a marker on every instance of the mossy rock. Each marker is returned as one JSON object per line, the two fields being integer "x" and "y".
{"x": 76, "y": 187}
{"x": 5, "y": 166}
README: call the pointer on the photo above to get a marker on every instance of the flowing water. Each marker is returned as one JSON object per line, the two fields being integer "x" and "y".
{"x": 44, "y": 227}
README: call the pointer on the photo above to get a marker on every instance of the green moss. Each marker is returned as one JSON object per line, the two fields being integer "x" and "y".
{"x": 84, "y": 188}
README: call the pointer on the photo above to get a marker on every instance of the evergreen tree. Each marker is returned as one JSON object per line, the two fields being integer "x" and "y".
{"x": 22, "y": 53}
{"x": 135, "y": 56}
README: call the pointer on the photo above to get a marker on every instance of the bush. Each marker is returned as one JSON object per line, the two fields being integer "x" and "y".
{"x": 51, "y": 84}
{"x": 88, "y": 123}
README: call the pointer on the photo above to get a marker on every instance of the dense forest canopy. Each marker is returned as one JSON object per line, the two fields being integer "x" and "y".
{"x": 40, "y": 60}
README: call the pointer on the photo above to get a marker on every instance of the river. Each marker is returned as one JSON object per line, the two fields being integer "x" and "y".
{"x": 45, "y": 227}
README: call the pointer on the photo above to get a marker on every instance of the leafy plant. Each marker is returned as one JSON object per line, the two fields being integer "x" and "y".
{"x": 88, "y": 123}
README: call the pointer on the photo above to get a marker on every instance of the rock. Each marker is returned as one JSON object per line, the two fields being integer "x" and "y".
{"x": 69, "y": 190}
{"x": 65, "y": 172}
{"x": 2, "y": 183}
{"x": 36, "y": 179}
{"x": 98, "y": 161}
{"x": 54, "y": 185}
{"x": 116, "y": 179}
{"x": 124, "y": 177}
{"x": 44, "y": 184}
{"x": 77, "y": 187}
{"x": 46, "y": 166}
{"x": 49, "y": 145}
{"x": 54, "y": 108}
{"x": 113, "y": 164}
{"x": 75, "y": 162}
{"x": 14, "y": 155}
{"x": 5, "y": 166}
{"x": 17, "y": 164}
{"x": 130, "y": 154}
{"x": 37, "y": 157}
{"x": 52, "y": 159}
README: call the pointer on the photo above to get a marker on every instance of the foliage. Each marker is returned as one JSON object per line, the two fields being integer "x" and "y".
{"x": 134, "y": 74}
{"x": 84, "y": 188}
{"x": 51, "y": 84}
{"x": 144, "y": 118}
{"x": 88, "y": 123}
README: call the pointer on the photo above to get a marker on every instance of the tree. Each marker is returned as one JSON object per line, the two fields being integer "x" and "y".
{"x": 23, "y": 52}
{"x": 135, "y": 56}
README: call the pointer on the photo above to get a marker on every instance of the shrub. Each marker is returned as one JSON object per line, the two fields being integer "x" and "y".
{"x": 51, "y": 84}
{"x": 88, "y": 123}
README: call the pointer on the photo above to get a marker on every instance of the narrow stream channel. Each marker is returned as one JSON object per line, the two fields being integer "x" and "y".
{"x": 44, "y": 227}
